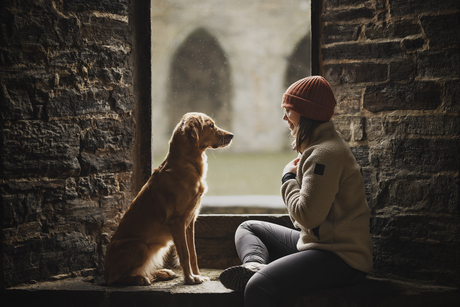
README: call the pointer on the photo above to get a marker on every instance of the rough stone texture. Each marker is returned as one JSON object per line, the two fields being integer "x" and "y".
{"x": 395, "y": 74}
{"x": 67, "y": 131}
{"x": 85, "y": 291}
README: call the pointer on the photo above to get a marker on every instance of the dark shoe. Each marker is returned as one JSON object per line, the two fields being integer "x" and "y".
{"x": 236, "y": 277}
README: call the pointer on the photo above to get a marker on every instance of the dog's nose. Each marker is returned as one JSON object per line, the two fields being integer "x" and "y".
{"x": 230, "y": 136}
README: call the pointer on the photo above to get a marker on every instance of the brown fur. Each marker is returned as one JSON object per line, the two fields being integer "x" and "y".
{"x": 165, "y": 209}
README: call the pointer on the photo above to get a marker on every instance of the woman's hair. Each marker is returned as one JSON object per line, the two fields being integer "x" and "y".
{"x": 303, "y": 132}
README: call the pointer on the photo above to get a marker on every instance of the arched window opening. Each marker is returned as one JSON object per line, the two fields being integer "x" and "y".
{"x": 233, "y": 61}
{"x": 200, "y": 80}
{"x": 299, "y": 63}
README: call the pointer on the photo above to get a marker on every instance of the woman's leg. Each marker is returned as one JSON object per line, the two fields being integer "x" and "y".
{"x": 257, "y": 244}
{"x": 263, "y": 242}
{"x": 296, "y": 274}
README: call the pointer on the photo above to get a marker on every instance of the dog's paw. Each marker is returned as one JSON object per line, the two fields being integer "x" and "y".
{"x": 165, "y": 274}
{"x": 137, "y": 280}
{"x": 195, "y": 279}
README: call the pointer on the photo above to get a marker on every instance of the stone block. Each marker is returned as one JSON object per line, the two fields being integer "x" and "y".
{"x": 442, "y": 30}
{"x": 439, "y": 64}
{"x": 63, "y": 57}
{"x": 451, "y": 96}
{"x": 417, "y": 258}
{"x": 105, "y": 163}
{"x": 411, "y": 7}
{"x": 347, "y": 14}
{"x": 42, "y": 27}
{"x": 381, "y": 157}
{"x": 357, "y": 126}
{"x": 350, "y": 128}
{"x": 16, "y": 102}
{"x": 416, "y": 193}
{"x": 361, "y": 154}
{"x": 338, "y": 3}
{"x": 104, "y": 57}
{"x": 374, "y": 128}
{"x": 36, "y": 149}
{"x": 84, "y": 213}
{"x": 121, "y": 98}
{"x": 36, "y": 259}
{"x": 422, "y": 125}
{"x": 120, "y": 7}
{"x": 413, "y": 44}
{"x": 343, "y": 126}
{"x": 109, "y": 75}
{"x": 367, "y": 173}
{"x": 67, "y": 30}
{"x": 106, "y": 31}
{"x": 403, "y": 70}
{"x": 362, "y": 51}
{"x": 69, "y": 102}
{"x": 20, "y": 209}
{"x": 108, "y": 135}
{"x": 348, "y": 99}
{"x": 398, "y": 29}
{"x": 35, "y": 7}
{"x": 355, "y": 73}
{"x": 426, "y": 155}
{"x": 340, "y": 33}
{"x": 410, "y": 96}
{"x": 11, "y": 56}
{"x": 31, "y": 29}
{"x": 97, "y": 185}
{"x": 444, "y": 195}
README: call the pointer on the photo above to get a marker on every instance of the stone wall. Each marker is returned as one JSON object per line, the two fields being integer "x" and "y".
{"x": 71, "y": 152}
{"x": 67, "y": 133}
{"x": 394, "y": 66}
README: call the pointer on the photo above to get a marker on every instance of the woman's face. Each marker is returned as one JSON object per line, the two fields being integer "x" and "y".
{"x": 292, "y": 118}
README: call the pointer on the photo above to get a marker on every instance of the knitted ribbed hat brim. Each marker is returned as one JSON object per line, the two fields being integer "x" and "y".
{"x": 311, "y": 97}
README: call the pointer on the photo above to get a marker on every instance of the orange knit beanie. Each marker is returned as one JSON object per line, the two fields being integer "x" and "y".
{"x": 311, "y": 97}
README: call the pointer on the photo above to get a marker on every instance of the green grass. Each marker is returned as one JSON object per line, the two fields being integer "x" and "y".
{"x": 246, "y": 173}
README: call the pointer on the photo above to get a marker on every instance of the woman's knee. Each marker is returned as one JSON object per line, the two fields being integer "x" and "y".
{"x": 247, "y": 225}
{"x": 245, "y": 228}
{"x": 260, "y": 289}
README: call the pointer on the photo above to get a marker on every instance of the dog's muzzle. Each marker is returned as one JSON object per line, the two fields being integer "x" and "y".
{"x": 224, "y": 141}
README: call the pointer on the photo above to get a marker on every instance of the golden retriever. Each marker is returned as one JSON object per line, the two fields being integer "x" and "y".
{"x": 166, "y": 209}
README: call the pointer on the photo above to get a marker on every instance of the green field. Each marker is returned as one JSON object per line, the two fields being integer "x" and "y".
{"x": 245, "y": 173}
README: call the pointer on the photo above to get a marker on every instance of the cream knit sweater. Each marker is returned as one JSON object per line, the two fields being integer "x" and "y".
{"x": 328, "y": 194}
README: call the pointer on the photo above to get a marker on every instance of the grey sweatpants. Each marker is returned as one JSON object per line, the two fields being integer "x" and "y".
{"x": 289, "y": 271}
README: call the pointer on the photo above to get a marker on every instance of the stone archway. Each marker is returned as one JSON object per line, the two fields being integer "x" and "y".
{"x": 255, "y": 41}
{"x": 299, "y": 62}
{"x": 199, "y": 80}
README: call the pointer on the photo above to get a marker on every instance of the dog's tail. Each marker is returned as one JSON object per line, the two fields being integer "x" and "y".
{"x": 171, "y": 260}
{"x": 123, "y": 263}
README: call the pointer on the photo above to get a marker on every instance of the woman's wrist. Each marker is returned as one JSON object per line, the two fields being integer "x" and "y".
{"x": 288, "y": 176}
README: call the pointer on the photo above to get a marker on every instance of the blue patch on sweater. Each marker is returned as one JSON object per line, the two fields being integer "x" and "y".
{"x": 319, "y": 169}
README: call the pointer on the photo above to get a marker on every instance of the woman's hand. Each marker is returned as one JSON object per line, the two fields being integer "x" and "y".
{"x": 291, "y": 167}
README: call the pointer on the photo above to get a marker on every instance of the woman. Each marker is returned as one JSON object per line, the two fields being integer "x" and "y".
{"x": 323, "y": 191}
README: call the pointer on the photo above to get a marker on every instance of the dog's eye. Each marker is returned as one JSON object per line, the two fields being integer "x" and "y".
{"x": 211, "y": 126}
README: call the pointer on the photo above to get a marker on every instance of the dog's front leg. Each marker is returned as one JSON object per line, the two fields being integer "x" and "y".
{"x": 192, "y": 249}
{"x": 183, "y": 250}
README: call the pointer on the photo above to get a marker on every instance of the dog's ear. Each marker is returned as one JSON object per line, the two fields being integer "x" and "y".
{"x": 191, "y": 126}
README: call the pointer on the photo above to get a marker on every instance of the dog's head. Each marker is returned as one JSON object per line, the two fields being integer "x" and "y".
{"x": 202, "y": 131}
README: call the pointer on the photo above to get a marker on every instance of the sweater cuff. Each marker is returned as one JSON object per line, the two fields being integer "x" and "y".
{"x": 288, "y": 176}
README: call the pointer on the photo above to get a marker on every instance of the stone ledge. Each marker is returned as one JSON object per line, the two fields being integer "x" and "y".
{"x": 83, "y": 291}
